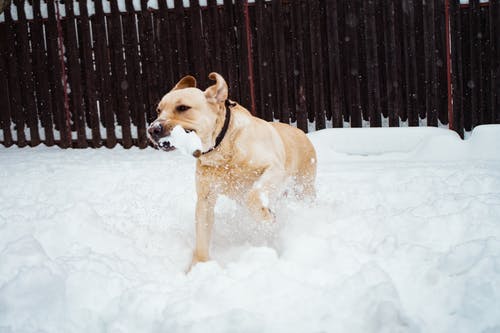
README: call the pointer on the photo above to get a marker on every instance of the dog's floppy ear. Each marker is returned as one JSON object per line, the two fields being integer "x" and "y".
{"x": 186, "y": 82}
{"x": 218, "y": 92}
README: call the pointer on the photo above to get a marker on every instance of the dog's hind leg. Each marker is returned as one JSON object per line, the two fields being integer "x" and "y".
{"x": 263, "y": 194}
{"x": 304, "y": 187}
{"x": 258, "y": 204}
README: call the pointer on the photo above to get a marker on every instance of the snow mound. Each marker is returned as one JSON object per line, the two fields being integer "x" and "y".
{"x": 188, "y": 143}
{"x": 417, "y": 143}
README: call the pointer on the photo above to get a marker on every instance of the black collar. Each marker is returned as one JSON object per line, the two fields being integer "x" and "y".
{"x": 223, "y": 131}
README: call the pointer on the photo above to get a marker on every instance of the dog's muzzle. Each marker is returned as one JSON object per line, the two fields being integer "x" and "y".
{"x": 155, "y": 132}
{"x": 155, "y": 129}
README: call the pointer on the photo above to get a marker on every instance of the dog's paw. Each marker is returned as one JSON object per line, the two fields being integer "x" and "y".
{"x": 267, "y": 215}
{"x": 196, "y": 259}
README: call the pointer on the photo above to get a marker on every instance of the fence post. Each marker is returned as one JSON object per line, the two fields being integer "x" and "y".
{"x": 5, "y": 115}
{"x": 249, "y": 57}
{"x": 448, "y": 62}
{"x": 60, "y": 42}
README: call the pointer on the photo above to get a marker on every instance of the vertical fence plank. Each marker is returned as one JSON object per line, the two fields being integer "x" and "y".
{"x": 325, "y": 61}
{"x": 162, "y": 45}
{"x": 308, "y": 66}
{"x": 153, "y": 54}
{"x": 14, "y": 80}
{"x": 439, "y": 79}
{"x": 393, "y": 56}
{"x": 276, "y": 33}
{"x": 243, "y": 51}
{"x": 44, "y": 104}
{"x": 442, "y": 76}
{"x": 198, "y": 44}
{"x": 164, "y": 41}
{"x": 353, "y": 74}
{"x": 473, "y": 83}
{"x": 484, "y": 66}
{"x": 300, "y": 79}
{"x": 231, "y": 61}
{"x": 180, "y": 31}
{"x": 411, "y": 62}
{"x": 457, "y": 70}
{"x": 146, "y": 40}
{"x": 272, "y": 84}
{"x": 398, "y": 70}
{"x": 290, "y": 45}
{"x": 372, "y": 66}
{"x": 214, "y": 37}
{"x": 102, "y": 61}
{"x": 391, "y": 66}
{"x": 171, "y": 21}
{"x": 259, "y": 61}
{"x": 466, "y": 65}
{"x": 26, "y": 77}
{"x": 120, "y": 86}
{"x": 420, "y": 18}
{"x": 494, "y": 55}
{"x": 256, "y": 22}
{"x": 89, "y": 76}
{"x": 430, "y": 91}
{"x": 362, "y": 72}
{"x": 298, "y": 69}
{"x": 74, "y": 76}
{"x": 341, "y": 27}
{"x": 5, "y": 115}
{"x": 55, "y": 78}
{"x": 334, "y": 62}
{"x": 317, "y": 66}
{"x": 382, "y": 44}
{"x": 282, "y": 112}
{"x": 135, "y": 91}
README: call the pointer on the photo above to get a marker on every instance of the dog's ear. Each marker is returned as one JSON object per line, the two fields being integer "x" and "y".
{"x": 218, "y": 92}
{"x": 186, "y": 82}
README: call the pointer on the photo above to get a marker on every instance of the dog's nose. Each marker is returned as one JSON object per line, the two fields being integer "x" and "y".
{"x": 155, "y": 129}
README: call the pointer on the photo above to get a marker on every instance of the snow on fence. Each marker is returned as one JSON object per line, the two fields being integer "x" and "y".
{"x": 89, "y": 73}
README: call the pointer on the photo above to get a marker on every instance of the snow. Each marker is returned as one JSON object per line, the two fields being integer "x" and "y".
{"x": 403, "y": 237}
{"x": 153, "y": 4}
{"x": 466, "y": 2}
{"x": 187, "y": 143}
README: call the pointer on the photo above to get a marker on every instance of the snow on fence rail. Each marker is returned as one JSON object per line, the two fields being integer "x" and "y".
{"x": 89, "y": 73}
{"x": 106, "y": 6}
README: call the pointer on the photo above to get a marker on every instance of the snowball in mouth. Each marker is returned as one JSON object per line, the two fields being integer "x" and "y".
{"x": 187, "y": 142}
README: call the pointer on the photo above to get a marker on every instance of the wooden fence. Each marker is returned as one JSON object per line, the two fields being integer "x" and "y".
{"x": 89, "y": 73}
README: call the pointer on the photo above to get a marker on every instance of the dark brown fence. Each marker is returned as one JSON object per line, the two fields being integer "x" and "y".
{"x": 476, "y": 64}
{"x": 85, "y": 79}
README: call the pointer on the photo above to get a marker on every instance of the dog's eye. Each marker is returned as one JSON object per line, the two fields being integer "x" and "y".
{"x": 158, "y": 111}
{"x": 182, "y": 108}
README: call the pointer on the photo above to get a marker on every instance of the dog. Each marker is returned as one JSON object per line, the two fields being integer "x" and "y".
{"x": 245, "y": 158}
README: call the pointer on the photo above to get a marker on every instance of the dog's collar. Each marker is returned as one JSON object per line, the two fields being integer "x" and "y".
{"x": 223, "y": 131}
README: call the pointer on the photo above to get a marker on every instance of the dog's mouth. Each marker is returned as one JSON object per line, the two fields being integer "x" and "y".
{"x": 165, "y": 143}
{"x": 165, "y": 146}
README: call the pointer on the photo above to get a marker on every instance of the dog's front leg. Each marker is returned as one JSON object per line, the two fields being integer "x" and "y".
{"x": 204, "y": 225}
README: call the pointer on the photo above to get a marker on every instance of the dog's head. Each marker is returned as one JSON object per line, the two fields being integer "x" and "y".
{"x": 195, "y": 111}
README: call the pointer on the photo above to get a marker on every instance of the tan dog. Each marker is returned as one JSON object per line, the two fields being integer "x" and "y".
{"x": 243, "y": 157}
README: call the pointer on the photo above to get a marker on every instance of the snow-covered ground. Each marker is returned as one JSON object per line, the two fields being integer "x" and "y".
{"x": 403, "y": 237}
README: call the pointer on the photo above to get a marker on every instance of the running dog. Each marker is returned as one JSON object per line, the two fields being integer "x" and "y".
{"x": 249, "y": 160}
